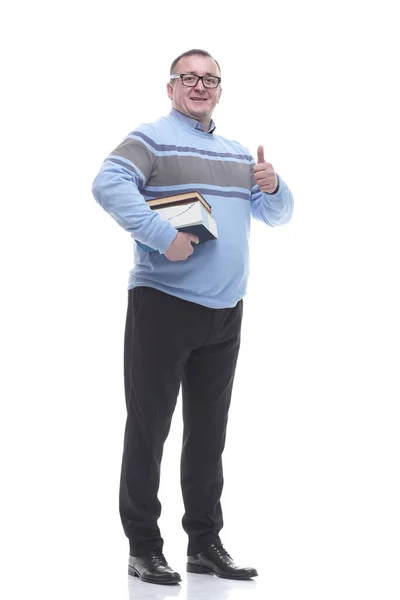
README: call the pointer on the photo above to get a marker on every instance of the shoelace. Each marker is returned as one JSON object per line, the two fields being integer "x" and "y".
{"x": 222, "y": 552}
{"x": 158, "y": 556}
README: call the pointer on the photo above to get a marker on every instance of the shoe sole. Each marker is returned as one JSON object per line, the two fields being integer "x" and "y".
{"x": 191, "y": 568}
{"x": 134, "y": 573}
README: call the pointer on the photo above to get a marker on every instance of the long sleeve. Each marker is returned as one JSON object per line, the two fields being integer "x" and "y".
{"x": 117, "y": 189}
{"x": 273, "y": 209}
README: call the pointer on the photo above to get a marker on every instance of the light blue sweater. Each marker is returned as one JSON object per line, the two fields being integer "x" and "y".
{"x": 174, "y": 155}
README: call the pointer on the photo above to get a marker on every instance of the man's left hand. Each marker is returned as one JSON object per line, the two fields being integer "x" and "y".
{"x": 264, "y": 173}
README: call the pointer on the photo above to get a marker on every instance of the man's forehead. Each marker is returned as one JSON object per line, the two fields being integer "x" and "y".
{"x": 197, "y": 63}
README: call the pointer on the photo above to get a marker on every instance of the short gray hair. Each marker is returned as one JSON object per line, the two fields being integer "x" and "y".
{"x": 193, "y": 52}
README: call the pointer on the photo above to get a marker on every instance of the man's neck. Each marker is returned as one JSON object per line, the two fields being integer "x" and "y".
{"x": 209, "y": 127}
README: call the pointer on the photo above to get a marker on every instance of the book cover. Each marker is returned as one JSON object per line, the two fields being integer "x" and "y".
{"x": 180, "y": 198}
{"x": 188, "y": 218}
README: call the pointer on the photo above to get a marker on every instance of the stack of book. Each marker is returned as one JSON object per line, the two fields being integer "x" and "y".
{"x": 189, "y": 212}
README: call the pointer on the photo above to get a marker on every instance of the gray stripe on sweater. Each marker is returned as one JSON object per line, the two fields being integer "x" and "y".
{"x": 181, "y": 170}
{"x": 137, "y": 153}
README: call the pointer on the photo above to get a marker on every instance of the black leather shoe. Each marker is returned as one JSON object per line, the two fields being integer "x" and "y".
{"x": 153, "y": 568}
{"x": 216, "y": 560}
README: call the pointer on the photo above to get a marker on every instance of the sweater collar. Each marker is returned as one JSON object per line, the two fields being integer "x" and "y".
{"x": 192, "y": 122}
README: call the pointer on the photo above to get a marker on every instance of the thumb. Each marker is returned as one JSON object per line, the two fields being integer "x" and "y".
{"x": 193, "y": 238}
{"x": 260, "y": 155}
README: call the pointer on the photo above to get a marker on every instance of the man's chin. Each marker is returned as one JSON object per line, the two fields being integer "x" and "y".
{"x": 199, "y": 112}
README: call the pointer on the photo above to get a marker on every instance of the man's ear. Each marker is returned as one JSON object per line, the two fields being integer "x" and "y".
{"x": 220, "y": 92}
{"x": 170, "y": 90}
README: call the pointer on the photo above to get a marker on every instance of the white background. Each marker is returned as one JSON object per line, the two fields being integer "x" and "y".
{"x": 312, "y": 460}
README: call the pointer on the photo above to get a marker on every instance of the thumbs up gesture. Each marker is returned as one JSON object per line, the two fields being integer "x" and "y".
{"x": 264, "y": 173}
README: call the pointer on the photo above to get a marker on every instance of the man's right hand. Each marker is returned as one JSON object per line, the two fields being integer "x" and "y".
{"x": 181, "y": 247}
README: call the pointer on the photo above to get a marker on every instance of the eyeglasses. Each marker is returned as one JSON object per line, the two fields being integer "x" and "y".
{"x": 209, "y": 81}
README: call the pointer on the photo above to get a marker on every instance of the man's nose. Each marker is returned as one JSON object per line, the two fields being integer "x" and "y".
{"x": 197, "y": 86}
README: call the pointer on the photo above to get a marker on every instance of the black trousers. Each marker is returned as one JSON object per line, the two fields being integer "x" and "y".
{"x": 169, "y": 342}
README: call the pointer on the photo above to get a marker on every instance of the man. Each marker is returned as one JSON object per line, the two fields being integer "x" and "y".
{"x": 185, "y": 305}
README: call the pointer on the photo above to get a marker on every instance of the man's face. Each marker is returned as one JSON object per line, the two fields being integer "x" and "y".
{"x": 197, "y": 102}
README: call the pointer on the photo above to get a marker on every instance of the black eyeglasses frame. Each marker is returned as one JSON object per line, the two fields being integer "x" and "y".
{"x": 202, "y": 77}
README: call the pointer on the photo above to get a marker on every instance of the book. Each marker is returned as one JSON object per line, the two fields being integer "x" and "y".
{"x": 188, "y": 217}
{"x": 180, "y": 198}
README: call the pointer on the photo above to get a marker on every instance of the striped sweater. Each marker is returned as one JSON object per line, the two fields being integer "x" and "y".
{"x": 175, "y": 155}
